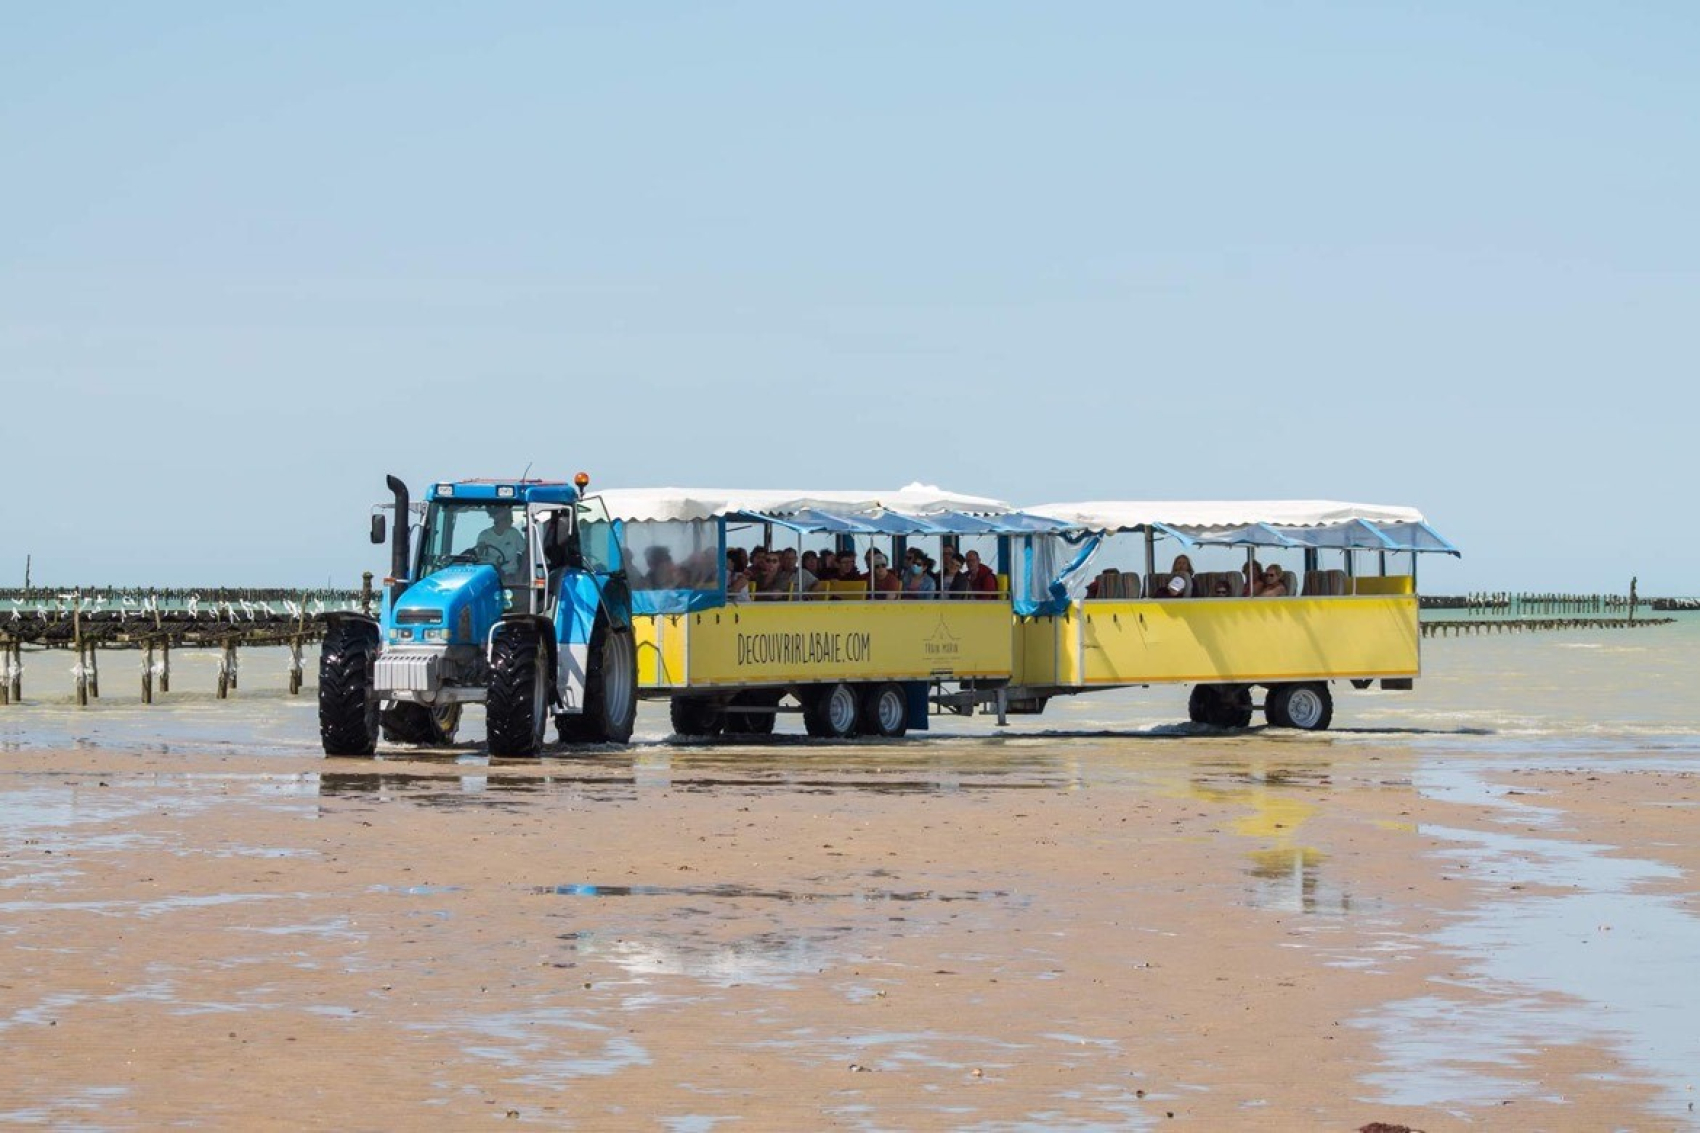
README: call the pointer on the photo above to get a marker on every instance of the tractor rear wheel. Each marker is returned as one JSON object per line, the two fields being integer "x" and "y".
{"x": 517, "y": 706}
{"x": 610, "y": 691}
{"x": 348, "y": 712}
{"x": 432, "y": 725}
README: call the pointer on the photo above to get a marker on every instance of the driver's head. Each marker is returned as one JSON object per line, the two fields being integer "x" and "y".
{"x": 501, "y": 518}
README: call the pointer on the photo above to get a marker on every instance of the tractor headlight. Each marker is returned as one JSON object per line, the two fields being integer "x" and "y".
{"x": 402, "y": 635}
{"x": 436, "y": 635}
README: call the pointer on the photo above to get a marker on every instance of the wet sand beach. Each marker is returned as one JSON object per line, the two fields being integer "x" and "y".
{"x": 1423, "y": 918}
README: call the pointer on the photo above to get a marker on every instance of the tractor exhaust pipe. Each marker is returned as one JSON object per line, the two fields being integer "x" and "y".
{"x": 398, "y": 540}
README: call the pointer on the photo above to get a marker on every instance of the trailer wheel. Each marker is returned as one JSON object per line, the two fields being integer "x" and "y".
{"x": 1308, "y": 706}
{"x": 1223, "y": 706}
{"x": 752, "y": 723}
{"x": 421, "y": 724}
{"x": 517, "y": 706}
{"x": 1201, "y": 705}
{"x": 885, "y": 711}
{"x": 610, "y": 691}
{"x": 830, "y": 712}
{"x": 695, "y": 716}
{"x": 348, "y": 712}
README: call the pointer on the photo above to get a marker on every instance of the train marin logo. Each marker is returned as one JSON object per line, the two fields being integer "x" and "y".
{"x": 942, "y": 643}
{"x": 803, "y": 648}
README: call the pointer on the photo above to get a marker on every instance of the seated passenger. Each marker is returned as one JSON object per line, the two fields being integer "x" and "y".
{"x": 847, "y": 571}
{"x": 699, "y": 572}
{"x": 738, "y": 575}
{"x": 982, "y": 582}
{"x": 918, "y": 579}
{"x": 1252, "y": 575}
{"x": 811, "y": 563}
{"x": 885, "y": 583}
{"x": 1222, "y": 589}
{"x": 664, "y": 574}
{"x": 1181, "y": 568}
{"x": 798, "y": 580}
{"x": 764, "y": 576}
{"x": 1272, "y": 583}
{"x": 954, "y": 582}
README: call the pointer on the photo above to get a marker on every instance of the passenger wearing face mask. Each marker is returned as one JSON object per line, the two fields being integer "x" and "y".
{"x": 918, "y": 581}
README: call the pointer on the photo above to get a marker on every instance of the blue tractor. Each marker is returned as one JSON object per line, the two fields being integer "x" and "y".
{"x": 512, "y": 594}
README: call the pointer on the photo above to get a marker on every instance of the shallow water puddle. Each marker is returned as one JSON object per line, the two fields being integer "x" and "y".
{"x": 1595, "y": 961}
{"x": 743, "y": 891}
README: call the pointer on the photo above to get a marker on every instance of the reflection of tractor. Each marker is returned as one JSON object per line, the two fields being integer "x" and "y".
{"x": 516, "y": 597}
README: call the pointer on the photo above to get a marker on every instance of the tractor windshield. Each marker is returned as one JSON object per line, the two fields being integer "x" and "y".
{"x": 475, "y": 532}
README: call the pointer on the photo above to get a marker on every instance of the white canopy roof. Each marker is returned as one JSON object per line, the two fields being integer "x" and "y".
{"x": 1127, "y": 515}
{"x": 640, "y": 504}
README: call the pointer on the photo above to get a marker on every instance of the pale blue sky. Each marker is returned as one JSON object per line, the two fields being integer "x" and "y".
{"x": 253, "y": 258}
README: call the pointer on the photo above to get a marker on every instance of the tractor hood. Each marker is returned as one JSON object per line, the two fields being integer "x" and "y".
{"x": 463, "y": 601}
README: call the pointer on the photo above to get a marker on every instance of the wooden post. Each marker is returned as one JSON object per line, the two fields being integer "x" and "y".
{"x": 82, "y": 665}
{"x": 147, "y": 675}
{"x": 224, "y": 673}
{"x": 5, "y": 674}
{"x": 94, "y": 671}
{"x": 17, "y": 672}
{"x": 295, "y": 665}
{"x": 233, "y": 664}
{"x": 366, "y": 592}
{"x": 165, "y": 665}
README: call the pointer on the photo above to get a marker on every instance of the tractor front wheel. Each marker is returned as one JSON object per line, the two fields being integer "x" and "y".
{"x": 422, "y": 724}
{"x": 517, "y": 706}
{"x": 348, "y": 712}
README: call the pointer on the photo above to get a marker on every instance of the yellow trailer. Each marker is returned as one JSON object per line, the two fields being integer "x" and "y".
{"x": 1052, "y": 615}
{"x": 867, "y": 655}
{"x": 1285, "y": 629}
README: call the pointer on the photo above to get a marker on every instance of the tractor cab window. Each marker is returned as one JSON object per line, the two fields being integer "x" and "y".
{"x": 474, "y": 533}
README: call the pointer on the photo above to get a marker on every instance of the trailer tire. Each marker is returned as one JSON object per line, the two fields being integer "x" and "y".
{"x": 422, "y": 724}
{"x": 1307, "y": 706}
{"x": 517, "y": 707}
{"x": 695, "y": 716}
{"x": 610, "y": 691}
{"x": 885, "y": 710}
{"x": 831, "y": 711}
{"x": 348, "y": 710}
{"x": 752, "y": 723}
{"x": 1221, "y": 706}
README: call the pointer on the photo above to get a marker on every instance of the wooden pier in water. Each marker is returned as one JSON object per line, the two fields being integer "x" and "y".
{"x": 1505, "y": 612}
{"x": 156, "y": 623}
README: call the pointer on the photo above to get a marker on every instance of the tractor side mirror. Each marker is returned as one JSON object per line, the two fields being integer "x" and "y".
{"x": 378, "y": 527}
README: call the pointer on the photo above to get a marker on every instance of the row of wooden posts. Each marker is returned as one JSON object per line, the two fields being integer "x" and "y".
{"x": 1457, "y": 627}
{"x": 154, "y": 637}
{"x": 156, "y": 664}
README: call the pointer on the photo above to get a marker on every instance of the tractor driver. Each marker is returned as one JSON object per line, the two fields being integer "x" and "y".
{"x": 502, "y": 545}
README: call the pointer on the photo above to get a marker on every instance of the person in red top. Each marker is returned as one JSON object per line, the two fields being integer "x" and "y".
{"x": 886, "y": 584}
{"x": 982, "y": 583}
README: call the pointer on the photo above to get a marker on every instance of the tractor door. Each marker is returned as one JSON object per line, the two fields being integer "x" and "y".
{"x": 551, "y": 535}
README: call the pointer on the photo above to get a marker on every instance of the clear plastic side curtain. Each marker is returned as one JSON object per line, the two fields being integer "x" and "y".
{"x": 1052, "y": 571}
